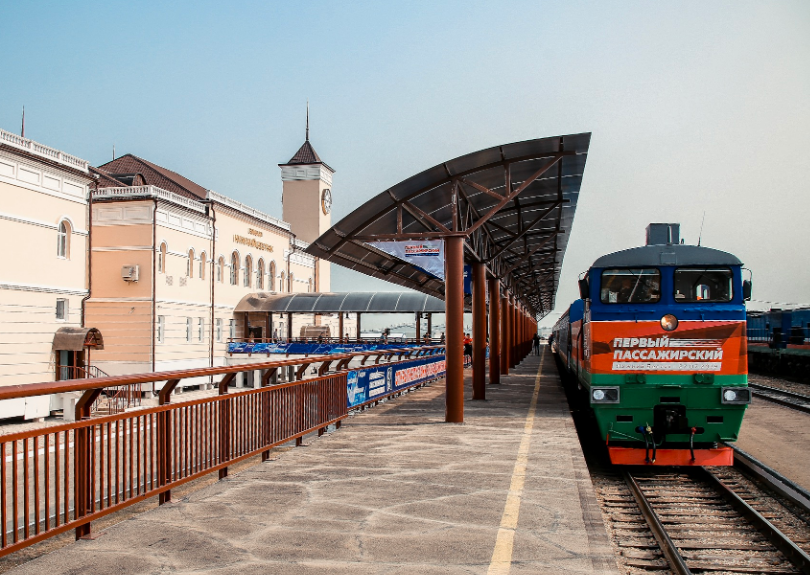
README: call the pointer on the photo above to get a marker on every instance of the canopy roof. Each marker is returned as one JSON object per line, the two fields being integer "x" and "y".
{"x": 667, "y": 255}
{"x": 514, "y": 204}
{"x": 353, "y": 302}
{"x": 77, "y": 338}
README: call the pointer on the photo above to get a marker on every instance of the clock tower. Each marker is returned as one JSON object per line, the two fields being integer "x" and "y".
{"x": 306, "y": 199}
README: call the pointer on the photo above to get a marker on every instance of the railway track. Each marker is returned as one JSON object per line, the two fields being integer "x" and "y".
{"x": 783, "y": 397}
{"x": 724, "y": 520}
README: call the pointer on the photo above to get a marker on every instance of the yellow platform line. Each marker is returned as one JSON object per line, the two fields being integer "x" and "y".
{"x": 501, "y": 561}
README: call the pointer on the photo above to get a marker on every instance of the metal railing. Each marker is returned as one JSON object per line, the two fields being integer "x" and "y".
{"x": 64, "y": 477}
{"x": 38, "y": 149}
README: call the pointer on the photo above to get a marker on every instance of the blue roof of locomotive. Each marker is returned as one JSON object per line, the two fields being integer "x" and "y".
{"x": 667, "y": 255}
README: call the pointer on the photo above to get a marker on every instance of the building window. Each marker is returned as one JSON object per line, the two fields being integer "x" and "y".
{"x": 202, "y": 266}
{"x": 219, "y": 329}
{"x": 281, "y": 283}
{"x": 260, "y": 274}
{"x": 271, "y": 276}
{"x": 190, "y": 264}
{"x": 161, "y": 328}
{"x": 234, "y": 269}
{"x": 309, "y": 285}
{"x": 220, "y": 265}
{"x": 188, "y": 329}
{"x": 200, "y": 329}
{"x": 61, "y": 309}
{"x": 231, "y": 328}
{"x": 63, "y": 240}
{"x": 162, "y": 258}
{"x": 248, "y": 270}
{"x": 290, "y": 284}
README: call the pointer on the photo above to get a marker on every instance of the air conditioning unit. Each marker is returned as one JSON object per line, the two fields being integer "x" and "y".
{"x": 130, "y": 273}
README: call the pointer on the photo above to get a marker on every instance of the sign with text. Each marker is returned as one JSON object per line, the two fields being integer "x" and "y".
{"x": 371, "y": 382}
{"x": 426, "y": 255}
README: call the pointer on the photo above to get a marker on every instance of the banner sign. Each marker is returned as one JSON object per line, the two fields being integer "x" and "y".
{"x": 311, "y": 348}
{"x": 426, "y": 255}
{"x": 468, "y": 280}
{"x": 698, "y": 346}
{"x": 368, "y": 383}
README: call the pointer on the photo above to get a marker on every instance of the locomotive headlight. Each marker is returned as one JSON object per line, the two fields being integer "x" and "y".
{"x": 605, "y": 395}
{"x": 669, "y": 322}
{"x": 735, "y": 395}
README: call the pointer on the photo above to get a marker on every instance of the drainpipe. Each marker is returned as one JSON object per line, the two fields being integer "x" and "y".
{"x": 89, "y": 250}
{"x": 154, "y": 284}
{"x": 213, "y": 216}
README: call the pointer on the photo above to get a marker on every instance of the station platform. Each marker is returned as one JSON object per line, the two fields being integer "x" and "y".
{"x": 394, "y": 490}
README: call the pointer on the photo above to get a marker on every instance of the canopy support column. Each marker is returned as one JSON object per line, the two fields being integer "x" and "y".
{"x": 289, "y": 326}
{"x": 430, "y": 325}
{"x": 454, "y": 310}
{"x": 505, "y": 334}
{"x": 479, "y": 308}
{"x": 494, "y": 331}
{"x": 340, "y": 326}
{"x": 513, "y": 332}
{"x": 358, "y": 326}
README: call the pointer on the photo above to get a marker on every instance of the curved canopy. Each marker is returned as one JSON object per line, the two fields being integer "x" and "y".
{"x": 514, "y": 205}
{"x": 77, "y": 338}
{"x": 353, "y": 302}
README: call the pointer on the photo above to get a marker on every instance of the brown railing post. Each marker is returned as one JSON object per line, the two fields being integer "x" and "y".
{"x": 265, "y": 413}
{"x": 82, "y": 463}
{"x": 225, "y": 424}
{"x": 164, "y": 441}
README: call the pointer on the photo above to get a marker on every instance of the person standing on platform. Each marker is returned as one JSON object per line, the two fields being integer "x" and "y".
{"x": 467, "y": 344}
{"x": 536, "y": 344}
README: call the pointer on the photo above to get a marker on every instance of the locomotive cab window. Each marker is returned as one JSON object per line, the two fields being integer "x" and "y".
{"x": 631, "y": 285}
{"x": 703, "y": 285}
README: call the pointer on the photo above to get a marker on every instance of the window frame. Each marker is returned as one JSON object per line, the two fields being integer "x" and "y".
{"x": 161, "y": 329}
{"x": 702, "y": 301}
{"x": 235, "y": 262}
{"x": 219, "y": 329}
{"x": 190, "y": 264}
{"x": 605, "y": 270}
{"x": 65, "y": 309}
{"x": 189, "y": 330}
{"x": 200, "y": 329}
{"x": 161, "y": 260}
{"x": 63, "y": 232}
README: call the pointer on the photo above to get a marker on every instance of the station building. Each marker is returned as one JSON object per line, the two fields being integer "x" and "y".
{"x": 135, "y": 268}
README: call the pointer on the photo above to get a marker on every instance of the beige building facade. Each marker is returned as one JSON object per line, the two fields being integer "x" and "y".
{"x": 157, "y": 264}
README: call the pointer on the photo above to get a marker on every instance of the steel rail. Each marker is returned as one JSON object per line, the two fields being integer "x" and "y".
{"x": 782, "y": 542}
{"x": 773, "y": 480}
{"x": 772, "y": 394}
{"x": 671, "y": 553}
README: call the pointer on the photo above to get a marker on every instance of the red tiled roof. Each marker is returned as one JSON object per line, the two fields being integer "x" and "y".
{"x": 155, "y": 175}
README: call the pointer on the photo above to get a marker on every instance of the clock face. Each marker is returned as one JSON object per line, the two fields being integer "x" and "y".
{"x": 326, "y": 201}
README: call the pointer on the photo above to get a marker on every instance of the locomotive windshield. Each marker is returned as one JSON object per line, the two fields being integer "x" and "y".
{"x": 702, "y": 285}
{"x": 631, "y": 285}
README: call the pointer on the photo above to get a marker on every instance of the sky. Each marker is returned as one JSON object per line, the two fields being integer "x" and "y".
{"x": 695, "y": 107}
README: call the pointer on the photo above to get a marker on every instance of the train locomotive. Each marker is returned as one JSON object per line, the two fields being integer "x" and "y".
{"x": 657, "y": 341}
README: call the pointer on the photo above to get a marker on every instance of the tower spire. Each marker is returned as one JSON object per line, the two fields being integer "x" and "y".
{"x": 22, "y": 131}
{"x": 307, "y": 119}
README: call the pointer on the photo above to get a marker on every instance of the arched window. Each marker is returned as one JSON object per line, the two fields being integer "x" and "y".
{"x": 63, "y": 240}
{"x": 220, "y": 265}
{"x": 202, "y": 266}
{"x": 291, "y": 285}
{"x": 162, "y": 258}
{"x": 234, "y": 269}
{"x": 260, "y": 274}
{"x": 309, "y": 285}
{"x": 271, "y": 276}
{"x": 281, "y": 283}
{"x": 248, "y": 270}
{"x": 190, "y": 264}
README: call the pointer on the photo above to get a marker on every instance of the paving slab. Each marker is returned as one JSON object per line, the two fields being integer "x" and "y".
{"x": 395, "y": 490}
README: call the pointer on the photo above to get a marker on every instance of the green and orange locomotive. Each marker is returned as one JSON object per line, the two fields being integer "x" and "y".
{"x": 658, "y": 343}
